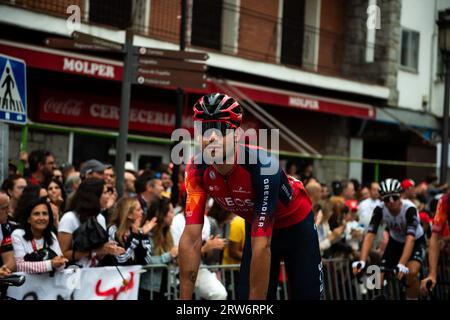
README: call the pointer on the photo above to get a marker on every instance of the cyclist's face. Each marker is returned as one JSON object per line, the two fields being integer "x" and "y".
{"x": 215, "y": 143}
{"x": 39, "y": 218}
{"x": 394, "y": 204}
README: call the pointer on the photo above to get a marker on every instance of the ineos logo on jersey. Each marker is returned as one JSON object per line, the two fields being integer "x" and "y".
{"x": 212, "y": 175}
{"x": 233, "y": 203}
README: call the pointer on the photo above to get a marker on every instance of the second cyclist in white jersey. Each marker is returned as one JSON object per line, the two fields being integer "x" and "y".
{"x": 405, "y": 250}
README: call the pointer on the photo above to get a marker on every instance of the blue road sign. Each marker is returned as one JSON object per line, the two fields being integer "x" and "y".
{"x": 13, "y": 91}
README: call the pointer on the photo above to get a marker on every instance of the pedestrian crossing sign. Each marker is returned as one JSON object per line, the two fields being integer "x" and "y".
{"x": 13, "y": 94}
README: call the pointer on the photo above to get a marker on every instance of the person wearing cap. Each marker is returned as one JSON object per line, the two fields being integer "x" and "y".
{"x": 409, "y": 189}
{"x": 353, "y": 230}
{"x": 92, "y": 169}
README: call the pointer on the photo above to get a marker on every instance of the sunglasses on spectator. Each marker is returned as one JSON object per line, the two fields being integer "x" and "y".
{"x": 391, "y": 198}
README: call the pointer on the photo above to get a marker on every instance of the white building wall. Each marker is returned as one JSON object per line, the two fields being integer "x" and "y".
{"x": 413, "y": 87}
{"x": 437, "y": 85}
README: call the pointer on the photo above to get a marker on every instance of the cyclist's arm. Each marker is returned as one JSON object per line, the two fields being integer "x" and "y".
{"x": 189, "y": 255}
{"x": 433, "y": 254}
{"x": 439, "y": 220}
{"x": 189, "y": 249}
{"x": 412, "y": 221}
{"x": 407, "y": 250}
{"x": 260, "y": 268}
{"x": 375, "y": 221}
{"x": 367, "y": 245}
{"x": 267, "y": 193}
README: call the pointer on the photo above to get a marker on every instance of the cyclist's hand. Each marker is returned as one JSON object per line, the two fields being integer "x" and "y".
{"x": 4, "y": 271}
{"x": 423, "y": 285}
{"x": 58, "y": 262}
{"x": 357, "y": 266}
{"x": 402, "y": 270}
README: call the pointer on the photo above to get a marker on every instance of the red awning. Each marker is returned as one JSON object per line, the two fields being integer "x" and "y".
{"x": 74, "y": 63}
{"x": 62, "y": 61}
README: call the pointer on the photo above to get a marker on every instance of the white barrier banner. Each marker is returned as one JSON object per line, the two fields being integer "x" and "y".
{"x": 103, "y": 283}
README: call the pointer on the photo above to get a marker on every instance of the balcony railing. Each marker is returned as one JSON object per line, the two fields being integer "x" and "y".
{"x": 243, "y": 32}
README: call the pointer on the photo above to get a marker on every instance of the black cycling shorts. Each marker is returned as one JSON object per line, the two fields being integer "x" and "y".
{"x": 394, "y": 250}
{"x": 298, "y": 246}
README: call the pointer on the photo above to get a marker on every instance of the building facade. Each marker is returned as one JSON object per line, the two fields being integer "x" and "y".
{"x": 344, "y": 76}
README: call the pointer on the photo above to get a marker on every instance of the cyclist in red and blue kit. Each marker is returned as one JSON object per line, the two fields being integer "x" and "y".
{"x": 276, "y": 208}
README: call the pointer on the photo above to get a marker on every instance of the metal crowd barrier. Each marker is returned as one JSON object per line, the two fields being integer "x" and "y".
{"x": 339, "y": 282}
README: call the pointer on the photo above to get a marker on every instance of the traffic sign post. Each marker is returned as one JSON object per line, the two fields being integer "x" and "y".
{"x": 4, "y": 150}
{"x": 172, "y": 64}
{"x": 13, "y": 104}
{"x": 71, "y": 44}
{"x": 96, "y": 41}
{"x": 146, "y": 66}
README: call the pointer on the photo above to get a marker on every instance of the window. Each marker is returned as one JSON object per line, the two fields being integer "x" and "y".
{"x": 292, "y": 32}
{"x": 440, "y": 72}
{"x": 410, "y": 50}
{"x": 207, "y": 23}
{"x": 115, "y": 13}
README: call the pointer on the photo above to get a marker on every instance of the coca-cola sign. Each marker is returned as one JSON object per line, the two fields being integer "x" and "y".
{"x": 102, "y": 111}
{"x": 69, "y": 107}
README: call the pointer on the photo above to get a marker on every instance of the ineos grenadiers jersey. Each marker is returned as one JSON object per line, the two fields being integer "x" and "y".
{"x": 401, "y": 225}
{"x": 441, "y": 217}
{"x": 266, "y": 201}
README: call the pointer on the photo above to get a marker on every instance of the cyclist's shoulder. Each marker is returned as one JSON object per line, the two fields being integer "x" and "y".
{"x": 254, "y": 157}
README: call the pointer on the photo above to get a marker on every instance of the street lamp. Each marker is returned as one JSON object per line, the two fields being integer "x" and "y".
{"x": 444, "y": 46}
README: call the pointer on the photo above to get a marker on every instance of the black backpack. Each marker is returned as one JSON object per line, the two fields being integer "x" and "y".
{"x": 90, "y": 235}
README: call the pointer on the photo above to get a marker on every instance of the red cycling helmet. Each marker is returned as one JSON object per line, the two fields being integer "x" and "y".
{"x": 218, "y": 107}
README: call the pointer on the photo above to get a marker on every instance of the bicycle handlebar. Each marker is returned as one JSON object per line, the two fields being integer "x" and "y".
{"x": 14, "y": 280}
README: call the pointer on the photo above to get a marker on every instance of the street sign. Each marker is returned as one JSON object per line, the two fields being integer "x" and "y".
{"x": 88, "y": 39}
{"x": 62, "y": 43}
{"x": 193, "y": 84}
{"x": 170, "y": 77}
{"x": 4, "y": 150}
{"x": 171, "y": 73}
{"x": 13, "y": 93}
{"x": 172, "y": 54}
{"x": 171, "y": 64}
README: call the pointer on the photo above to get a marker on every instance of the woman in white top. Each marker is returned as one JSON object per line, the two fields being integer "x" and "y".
{"x": 36, "y": 248}
{"x": 86, "y": 203}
